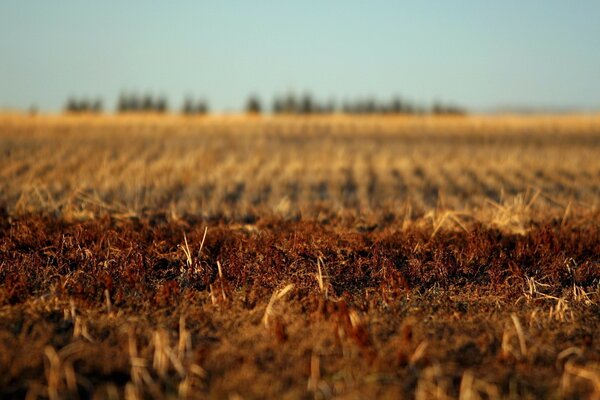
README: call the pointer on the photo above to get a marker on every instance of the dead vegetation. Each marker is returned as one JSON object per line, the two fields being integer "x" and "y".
{"x": 108, "y": 306}
{"x": 496, "y": 170}
{"x": 299, "y": 258}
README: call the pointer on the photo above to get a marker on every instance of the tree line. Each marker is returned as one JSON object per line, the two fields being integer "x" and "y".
{"x": 289, "y": 104}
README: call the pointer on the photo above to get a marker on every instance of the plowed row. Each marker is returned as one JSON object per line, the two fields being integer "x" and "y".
{"x": 256, "y": 168}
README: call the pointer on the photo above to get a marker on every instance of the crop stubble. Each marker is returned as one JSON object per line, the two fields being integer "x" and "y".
{"x": 344, "y": 257}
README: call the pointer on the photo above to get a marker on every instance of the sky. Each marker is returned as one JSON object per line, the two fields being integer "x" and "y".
{"x": 483, "y": 55}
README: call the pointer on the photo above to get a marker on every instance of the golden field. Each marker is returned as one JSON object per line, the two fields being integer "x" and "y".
{"x": 320, "y": 257}
{"x": 243, "y": 167}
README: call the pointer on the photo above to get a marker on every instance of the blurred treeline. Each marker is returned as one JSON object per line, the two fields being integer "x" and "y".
{"x": 289, "y": 104}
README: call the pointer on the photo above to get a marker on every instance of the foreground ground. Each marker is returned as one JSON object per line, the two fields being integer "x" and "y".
{"x": 319, "y": 258}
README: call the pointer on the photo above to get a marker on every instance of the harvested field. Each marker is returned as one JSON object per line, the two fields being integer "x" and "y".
{"x": 321, "y": 257}
{"x": 238, "y": 168}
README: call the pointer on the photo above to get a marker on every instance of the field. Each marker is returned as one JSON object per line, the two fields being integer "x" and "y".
{"x": 299, "y": 257}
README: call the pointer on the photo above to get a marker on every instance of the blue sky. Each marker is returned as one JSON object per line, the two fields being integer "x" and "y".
{"x": 480, "y": 54}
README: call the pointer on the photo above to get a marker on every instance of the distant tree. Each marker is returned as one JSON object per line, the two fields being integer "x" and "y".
{"x": 439, "y": 108}
{"x": 278, "y": 105}
{"x": 136, "y": 103}
{"x": 123, "y": 103}
{"x": 458, "y": 110}
{"x": 72, "y": 105}
{"x": 129, "y": 103}
{"x": 78, "y": 105}
{"x": 202, "y": 107}
{"x": 191, "y": 107}
{"x": 188, "y": 106}
{"x": 307, "y": 105}
{"x": 147, "y": 103}
{"x": 253, "y": 105}
{"x": 96, "y": 106}
{"x": 160, "y": 105}
{"x": 397, "y": 106}
{"x": 370, "y": 106}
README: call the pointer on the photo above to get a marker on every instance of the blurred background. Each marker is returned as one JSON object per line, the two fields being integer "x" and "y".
{"x": 352, "y": 56}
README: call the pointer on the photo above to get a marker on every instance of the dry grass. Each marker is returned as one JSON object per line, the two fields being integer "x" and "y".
{"x": 326, "y": 257}
{"x": 498, "y": 170}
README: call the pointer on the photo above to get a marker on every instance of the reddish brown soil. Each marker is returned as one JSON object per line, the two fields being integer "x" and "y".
{"x": 399, "y": 312}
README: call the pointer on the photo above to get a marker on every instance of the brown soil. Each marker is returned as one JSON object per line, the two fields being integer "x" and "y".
{"x": 297, "y": 309}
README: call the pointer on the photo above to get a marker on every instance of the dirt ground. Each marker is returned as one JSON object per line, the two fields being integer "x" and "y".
{"x": 111, "y": 308}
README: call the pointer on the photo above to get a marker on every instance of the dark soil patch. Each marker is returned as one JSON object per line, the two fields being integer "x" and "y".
{"x": 118, "y": 307}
